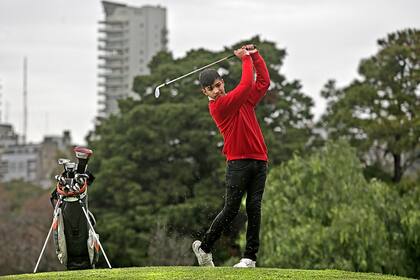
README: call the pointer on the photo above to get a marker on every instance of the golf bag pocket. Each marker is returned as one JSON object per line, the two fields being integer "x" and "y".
{"x": 93, "y": 247}
{"x": 60, "y": 238}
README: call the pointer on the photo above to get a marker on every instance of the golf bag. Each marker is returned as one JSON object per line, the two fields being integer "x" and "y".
{"x": 74, "y": 239}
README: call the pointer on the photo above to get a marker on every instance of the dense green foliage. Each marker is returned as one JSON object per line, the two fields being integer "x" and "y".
{"x": 201, "y": 273}
{"x": 320, "y": 212}
{"x": 379, "y": 113}
{"x": 160, "y": 172}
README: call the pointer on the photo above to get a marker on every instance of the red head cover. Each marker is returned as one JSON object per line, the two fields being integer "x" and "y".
{"x": 82, "y": 152}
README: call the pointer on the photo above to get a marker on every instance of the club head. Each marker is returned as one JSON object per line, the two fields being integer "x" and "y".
{"x": 63, "y": 161}
{"x": 157, "y": 92}
{"x": 70, "y": 166}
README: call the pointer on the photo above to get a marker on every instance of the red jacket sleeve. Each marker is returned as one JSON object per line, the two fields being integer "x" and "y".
{"x": 230, "y": 103}
{"x": 262, "y": 81}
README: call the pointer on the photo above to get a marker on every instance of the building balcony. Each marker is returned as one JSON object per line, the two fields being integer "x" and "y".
{"x": 102, "y": 92}
{"x": 114, "y": 66}
{"x": 113, "y": 47}
{"x": 111, "y": 94}
{"x": 112, "y": 84}
{"x": 113, "y": 39}
{"x": 112, "y": 57}
{"x": 117, "y": 90}
{"x": 112, "y": 75}
{"x": 113, "y": 22}
{"x": 103, "y": 112}
{"x": 112, "y": 29}
{"x": 102, "y": 101}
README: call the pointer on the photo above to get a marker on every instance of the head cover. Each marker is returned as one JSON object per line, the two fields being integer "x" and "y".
{"x": 207, "y": 77}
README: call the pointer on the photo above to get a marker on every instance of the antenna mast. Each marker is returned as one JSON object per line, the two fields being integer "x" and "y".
{"x": 25, "y": 98}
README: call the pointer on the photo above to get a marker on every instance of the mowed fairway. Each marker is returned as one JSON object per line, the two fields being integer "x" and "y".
{"x": 200, "y": 273}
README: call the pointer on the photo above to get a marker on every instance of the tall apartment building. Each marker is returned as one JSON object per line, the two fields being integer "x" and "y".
{"x": 130, "y": 37}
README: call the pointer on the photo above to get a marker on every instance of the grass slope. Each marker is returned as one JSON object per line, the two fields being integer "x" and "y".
{"x": 201, "y": 273}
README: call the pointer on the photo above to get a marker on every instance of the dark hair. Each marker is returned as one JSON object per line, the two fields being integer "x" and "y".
{"x": 207, "y": 77}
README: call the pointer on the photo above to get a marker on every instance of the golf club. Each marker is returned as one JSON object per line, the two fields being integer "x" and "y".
{"x": 157, "y": 91}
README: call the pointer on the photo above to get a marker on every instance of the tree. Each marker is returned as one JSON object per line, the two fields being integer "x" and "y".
{"x": 158, "y": 163}
{"x": 319, "y": 212}
{"x": 378, "y": 113}
{"x": 25, "y": 218}
{"x": 408, "y": 210}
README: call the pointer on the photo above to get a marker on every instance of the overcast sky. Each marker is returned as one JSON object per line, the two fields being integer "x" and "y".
{"x": 324, "y": 39}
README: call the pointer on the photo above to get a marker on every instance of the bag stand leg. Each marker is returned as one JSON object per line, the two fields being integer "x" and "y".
{"x": 94, "y": 233}
{"x": 48, "y": 236}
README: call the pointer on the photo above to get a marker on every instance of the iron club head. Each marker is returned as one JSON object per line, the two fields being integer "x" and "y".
{"x": 157, "y": 91}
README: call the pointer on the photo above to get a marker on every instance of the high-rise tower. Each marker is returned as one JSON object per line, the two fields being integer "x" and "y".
{"x": 130, "y": 37}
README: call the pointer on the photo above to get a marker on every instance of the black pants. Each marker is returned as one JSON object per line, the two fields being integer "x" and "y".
{"x": 242, "y": 176}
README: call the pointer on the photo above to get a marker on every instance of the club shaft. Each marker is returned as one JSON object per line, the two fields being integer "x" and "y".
{"x": 94, "y": 234}
{"x": 199, "y": 69}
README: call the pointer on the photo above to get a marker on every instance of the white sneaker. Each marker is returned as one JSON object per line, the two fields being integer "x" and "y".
{"x": 204, "y": 259}
{"x": 244, "y": 262}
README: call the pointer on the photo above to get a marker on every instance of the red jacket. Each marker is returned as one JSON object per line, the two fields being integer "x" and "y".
{"x": 234, "y": 113}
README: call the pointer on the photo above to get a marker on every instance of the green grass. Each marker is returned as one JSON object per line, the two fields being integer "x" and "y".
{"x": 201, "y": 273}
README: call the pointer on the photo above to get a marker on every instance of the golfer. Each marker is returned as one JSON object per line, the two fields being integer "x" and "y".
{"x": 244, "y": 148}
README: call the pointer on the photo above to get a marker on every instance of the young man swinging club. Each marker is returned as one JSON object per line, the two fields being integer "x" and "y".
{"x": 244, "y": 148}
